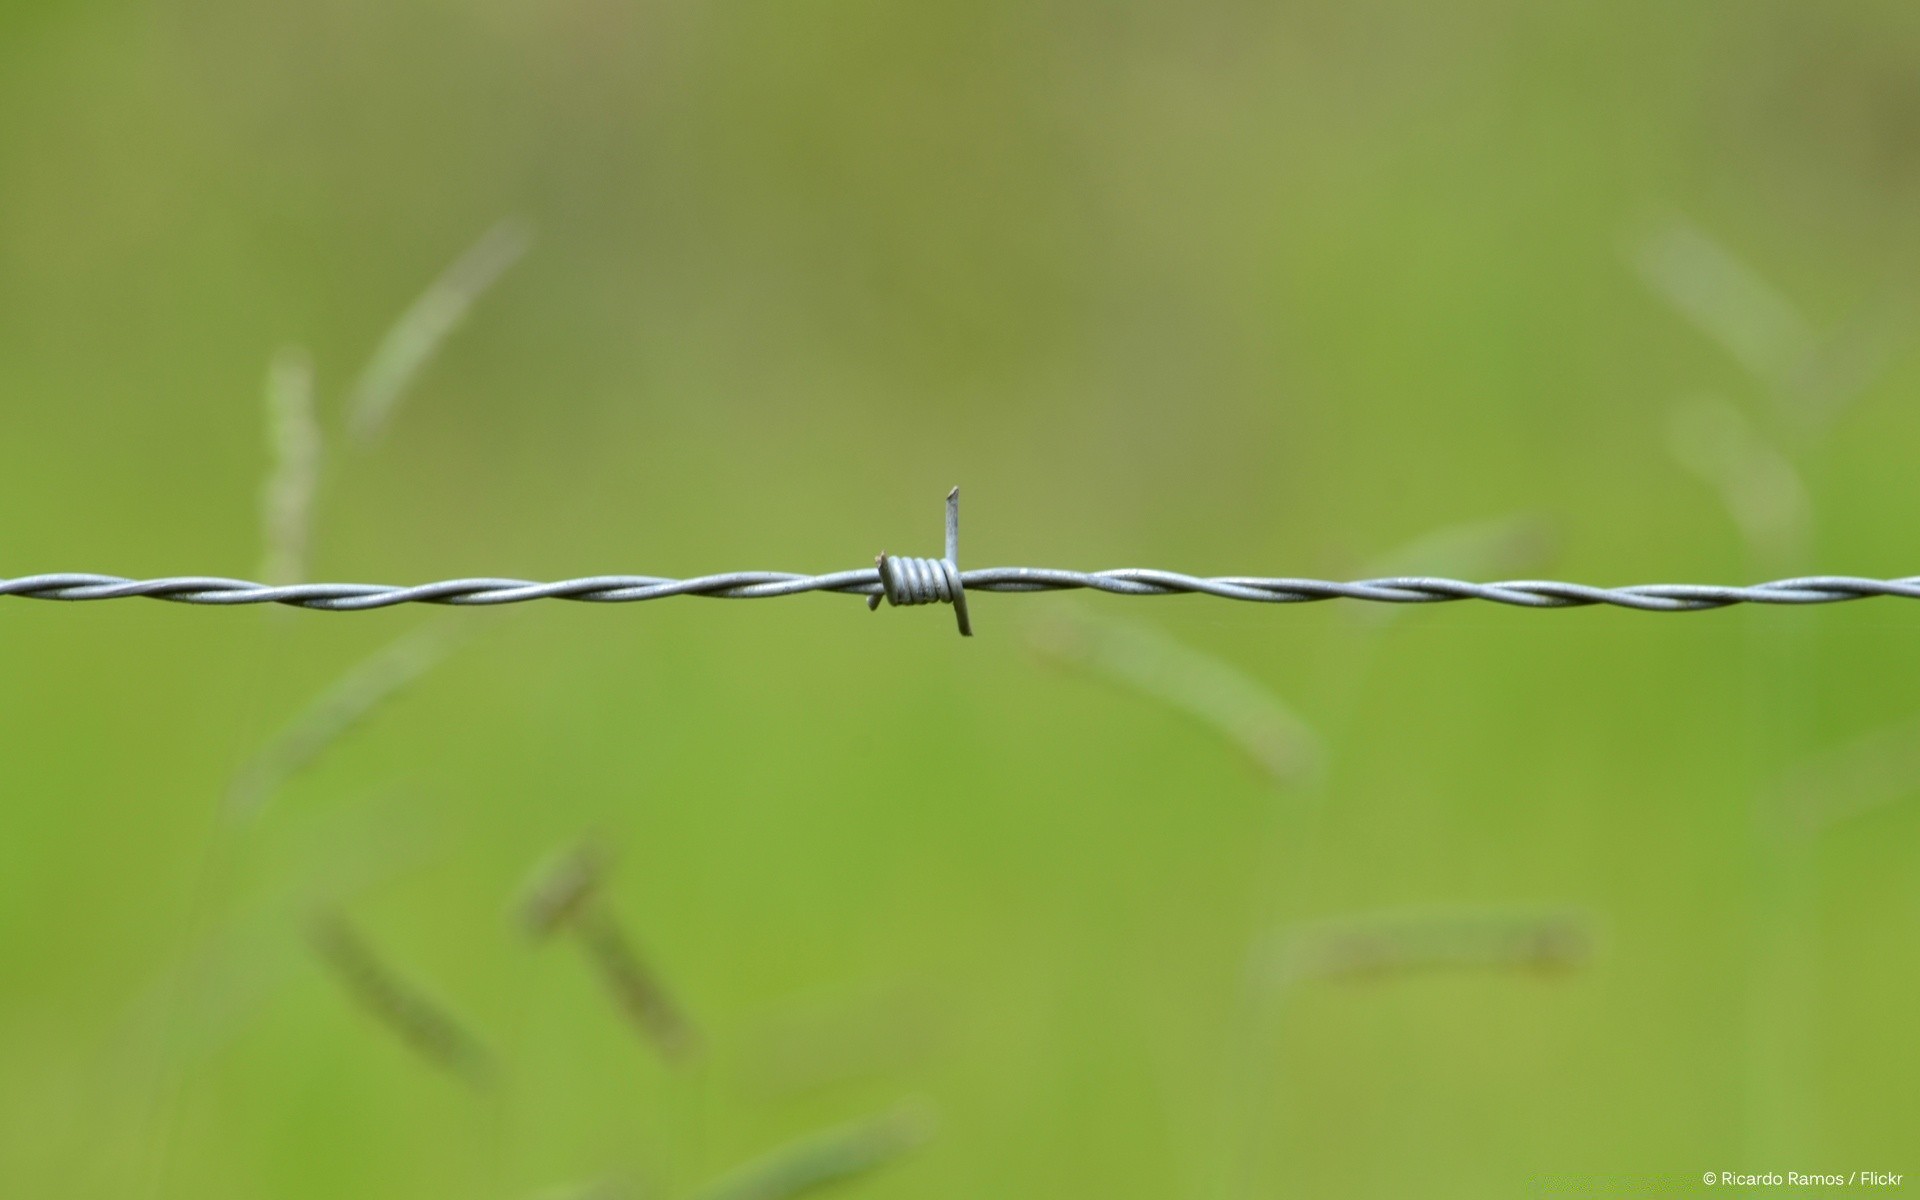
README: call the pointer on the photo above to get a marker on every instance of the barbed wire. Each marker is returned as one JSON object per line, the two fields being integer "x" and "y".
{"x": 912, "y": 581}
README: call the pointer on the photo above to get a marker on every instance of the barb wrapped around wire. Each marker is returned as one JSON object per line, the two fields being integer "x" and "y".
{"x": 927, "y": 580}
{"x": 907, "y": 581}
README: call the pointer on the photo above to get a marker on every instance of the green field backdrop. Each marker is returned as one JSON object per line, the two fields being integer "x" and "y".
{"x": 1155, "y": 898}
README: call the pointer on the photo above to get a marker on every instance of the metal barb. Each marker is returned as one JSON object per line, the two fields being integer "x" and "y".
{"x": 927, "y": 580}
{"x": 940, "y": 580}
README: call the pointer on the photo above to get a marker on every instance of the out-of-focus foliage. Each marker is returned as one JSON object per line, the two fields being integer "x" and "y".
{"x": 1218, "y": 286}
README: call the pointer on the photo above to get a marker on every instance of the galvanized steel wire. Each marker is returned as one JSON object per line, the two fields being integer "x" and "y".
{"x": 865, "y": 581}
{"x": 922, "y": 581}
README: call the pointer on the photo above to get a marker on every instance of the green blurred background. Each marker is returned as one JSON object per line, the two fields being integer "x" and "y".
{"x": 1228, "y": 288}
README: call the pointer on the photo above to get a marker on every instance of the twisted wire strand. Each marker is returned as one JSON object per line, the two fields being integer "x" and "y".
{"x": 911, "y": 581}
{"x": 869, "y": 581}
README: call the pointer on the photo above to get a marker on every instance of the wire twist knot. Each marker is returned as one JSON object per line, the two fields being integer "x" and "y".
{"x": 918, "y": 580}
{"x": 905, "y": 580}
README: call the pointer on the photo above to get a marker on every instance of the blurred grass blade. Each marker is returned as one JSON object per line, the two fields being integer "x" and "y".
{"x": 564, "y": 896}
{"x": 638, "y": 989}
{"x": 561, "y": 888}
{"x": 227, "y": 973}
{"x": 423, "y": 1025}
{"x": 1872, "y": 773}
{"x": 1405, "y": 944}
{"x": 335, "y": 712}
{"x": 417, "y": 336}
{"x": 1760, "y": 487}
{"x": 825, "y": 1159}
{"x": 1728, "y": 301}
{"x": 1147, "y": 661}
{"x": 294, "y": 443}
